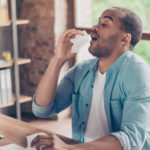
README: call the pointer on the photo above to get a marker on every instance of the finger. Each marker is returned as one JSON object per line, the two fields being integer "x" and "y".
{"x": 68, "y": 44}
{"x": 44, "y": 143}
{"x": 68, "y": 31}
{"x": 72, "y": 36}
{"x": 51, "y": 134}
{"x": 47, "y": 148}
{"x": 38, "y": 137}
{"x": 68, "y": 40}
{"x": 35, "y": 140}
{"x": 72, "y": 31}
{"x": 69, "y": 37}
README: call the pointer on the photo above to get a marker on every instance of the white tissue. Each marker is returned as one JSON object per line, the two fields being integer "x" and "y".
{"x": 17, "y": 147}
{"x": 11, "y": 147}
{"x": 79, "y": 41}
{"x": 30, "y": 138}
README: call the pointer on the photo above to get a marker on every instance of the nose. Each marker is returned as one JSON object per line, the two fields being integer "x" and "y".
{"x": 94, "y": 28}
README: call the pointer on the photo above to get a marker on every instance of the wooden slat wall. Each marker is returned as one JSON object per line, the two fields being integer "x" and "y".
{"x": 73, "y": 15}
{"x": 145, "y": 36}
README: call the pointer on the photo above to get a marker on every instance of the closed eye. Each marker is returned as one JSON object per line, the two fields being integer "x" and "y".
{"x": 104, "y": 25}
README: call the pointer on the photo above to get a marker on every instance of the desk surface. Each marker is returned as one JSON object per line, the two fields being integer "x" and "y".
{"x": 15, "y": 131}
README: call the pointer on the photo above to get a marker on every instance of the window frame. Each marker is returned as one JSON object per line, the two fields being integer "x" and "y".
{"x": 145, "y": 35}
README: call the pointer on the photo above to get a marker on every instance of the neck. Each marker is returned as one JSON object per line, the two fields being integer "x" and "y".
{"x": 106, "y": 62}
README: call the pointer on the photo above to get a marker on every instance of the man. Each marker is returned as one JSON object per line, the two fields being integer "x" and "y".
{"x": 110, "y": 95}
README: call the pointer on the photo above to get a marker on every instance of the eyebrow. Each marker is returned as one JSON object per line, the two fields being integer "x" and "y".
{"x": 110, "y": 18}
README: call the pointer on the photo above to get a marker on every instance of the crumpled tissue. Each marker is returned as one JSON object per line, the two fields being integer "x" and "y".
{"x": 79, "y": 41}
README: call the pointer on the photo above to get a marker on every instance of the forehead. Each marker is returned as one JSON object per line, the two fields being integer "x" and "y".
{"x": 113, "y": 14}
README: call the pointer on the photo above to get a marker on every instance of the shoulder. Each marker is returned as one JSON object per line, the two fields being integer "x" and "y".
{"x": 135, "y": 72}
{"x": 135, "y": 64}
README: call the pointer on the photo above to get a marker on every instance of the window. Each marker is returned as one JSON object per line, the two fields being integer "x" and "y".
{"x": 83, "y": 18}
{"x": 141, "y": 7}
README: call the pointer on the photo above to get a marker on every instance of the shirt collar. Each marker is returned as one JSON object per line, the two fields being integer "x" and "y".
{"x": 94, "y": 65}
{"x": 114, "y": 67}
{"x": 118, "y": 63}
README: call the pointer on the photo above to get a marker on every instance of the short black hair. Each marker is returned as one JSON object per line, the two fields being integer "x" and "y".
{"x": 132, "y": 24}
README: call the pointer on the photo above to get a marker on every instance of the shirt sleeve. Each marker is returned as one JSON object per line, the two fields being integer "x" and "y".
{"x": 62, "y": 99}
{"x": 135, "y": 126}
{"x": 41, "y": 111}
{"x": 123, "y": 139}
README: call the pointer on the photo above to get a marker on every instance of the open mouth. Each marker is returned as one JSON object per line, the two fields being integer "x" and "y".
{"x": 94, "y": 37}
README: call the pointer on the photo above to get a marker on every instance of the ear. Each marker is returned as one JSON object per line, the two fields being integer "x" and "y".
{"x": 126, "y": 38}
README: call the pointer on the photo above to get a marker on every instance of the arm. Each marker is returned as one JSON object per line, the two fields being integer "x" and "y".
{"x": 46, "y": 89}
{"x": 52, "y": 141}
{"x": 135, "y": 126}
{"x": 105, "y": 143}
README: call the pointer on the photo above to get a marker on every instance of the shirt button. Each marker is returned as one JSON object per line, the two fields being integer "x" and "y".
{"x": 83, "y": 123}
{"x": 86, "y": 105}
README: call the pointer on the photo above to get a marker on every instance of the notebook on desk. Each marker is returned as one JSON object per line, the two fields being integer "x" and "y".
{"x": 17, "y": 147}
{"x": 12, "y": 147}
{"x": 1, "y": 136}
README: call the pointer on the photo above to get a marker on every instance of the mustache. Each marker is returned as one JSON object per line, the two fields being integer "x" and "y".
{"x": 93, "y": 31}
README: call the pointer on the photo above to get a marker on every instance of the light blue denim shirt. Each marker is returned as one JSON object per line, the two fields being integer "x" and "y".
{"x": 126, "y": 99}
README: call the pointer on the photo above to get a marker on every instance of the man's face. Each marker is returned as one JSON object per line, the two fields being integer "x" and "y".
{"x": 106, "y": 35}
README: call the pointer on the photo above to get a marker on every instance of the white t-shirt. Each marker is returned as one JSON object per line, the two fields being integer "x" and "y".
{"x": 97, "y": 125}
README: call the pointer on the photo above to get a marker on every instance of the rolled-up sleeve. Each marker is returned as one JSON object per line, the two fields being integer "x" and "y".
{"x": 135, "y": 127}
{"x": 62, "y": 99}
{"x": 123, "y": 139}
{"x": 41, "y": 111}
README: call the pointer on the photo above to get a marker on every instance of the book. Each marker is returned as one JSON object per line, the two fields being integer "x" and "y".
{"x": 4, "y": 11}
{"x": 0, "y": 13}
{"x": 8, "y": 85}
{"x": 0, "y": 92}
{"x": 12, "y": 147}
{"x": 3, "y": 86}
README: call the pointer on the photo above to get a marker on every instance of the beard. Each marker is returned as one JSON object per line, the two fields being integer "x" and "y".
{"x": 106, "y": 48}
{"x": 100, "y": 51}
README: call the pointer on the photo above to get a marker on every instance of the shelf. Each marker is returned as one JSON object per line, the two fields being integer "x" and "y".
{"x": 18, "y": 22}
{"x": 21, "y": 61}
{"x": 21, "y": 22}
{"x": 22, "y": 99}
{"x": 6, "y": 105}
{"x": 5, "y": 24}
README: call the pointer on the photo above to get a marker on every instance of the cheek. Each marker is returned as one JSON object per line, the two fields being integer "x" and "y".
{"x": 111, "y": 40}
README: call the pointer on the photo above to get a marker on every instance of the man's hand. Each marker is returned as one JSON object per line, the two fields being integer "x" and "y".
{"x": 63, "y": 49}
{"x": 49, "y": 142}
{"x": 47, "y": 86}
{"x": 53, "y": 142}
